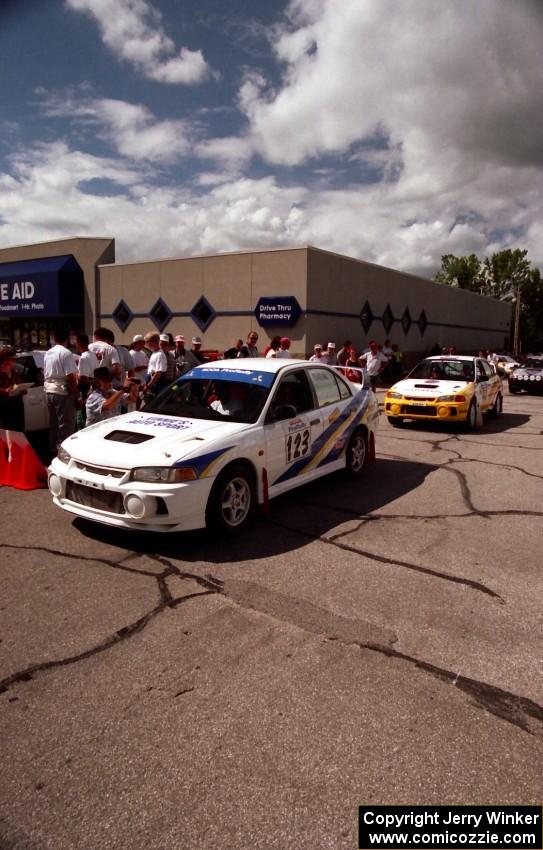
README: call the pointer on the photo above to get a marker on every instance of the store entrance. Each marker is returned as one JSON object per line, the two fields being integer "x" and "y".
{"x": 27, "y": 334}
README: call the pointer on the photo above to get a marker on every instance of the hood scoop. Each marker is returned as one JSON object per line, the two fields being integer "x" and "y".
{"x": 128, "y": 437}
{"x": 427, "y": 385}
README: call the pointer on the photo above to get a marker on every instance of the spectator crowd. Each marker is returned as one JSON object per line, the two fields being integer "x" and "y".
{"x": 103, "y": 379}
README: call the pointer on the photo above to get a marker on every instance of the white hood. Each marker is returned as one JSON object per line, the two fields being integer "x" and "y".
{"x": 169, "y": 439}
{"x": 428, "y": 388}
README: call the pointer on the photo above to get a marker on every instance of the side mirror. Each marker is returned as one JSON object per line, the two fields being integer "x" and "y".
{"x": 284, "y": 411}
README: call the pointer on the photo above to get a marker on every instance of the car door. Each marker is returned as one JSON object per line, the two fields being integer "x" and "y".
{"x": 290, "y": 440}
{"x": 485, "y": 389}
{"x": 36, "y": 416}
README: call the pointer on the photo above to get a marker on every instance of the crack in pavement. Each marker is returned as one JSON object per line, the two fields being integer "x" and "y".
{"x": 382, "y": 559}
{"x": 514, "y": 709}
{"x": 119, "y": 636}
{"x": 508, "y": 706}
{"x": 117, "y": 565}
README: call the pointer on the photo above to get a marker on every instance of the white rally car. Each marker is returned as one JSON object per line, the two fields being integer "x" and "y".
{"x": 222, "y": 439}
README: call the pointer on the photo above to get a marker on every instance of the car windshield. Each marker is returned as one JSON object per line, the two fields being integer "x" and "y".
{"x": 534, "y": 363}
{"x": 219, "y": 398}
{"x": 443, "y": 370}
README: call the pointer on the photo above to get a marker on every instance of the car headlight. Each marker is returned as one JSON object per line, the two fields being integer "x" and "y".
{"x": 164, "y": 474}
{"x": 445, "y": 398}
{"x": 394, "y": 395}
{"x": 63, "y": 455}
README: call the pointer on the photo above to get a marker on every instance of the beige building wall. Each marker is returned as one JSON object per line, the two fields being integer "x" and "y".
{"x": 341, "y": 285}
{"x": 231, "y": 283}
{"x": 88, "y": 252}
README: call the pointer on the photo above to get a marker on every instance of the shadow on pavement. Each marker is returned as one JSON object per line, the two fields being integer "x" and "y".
{"x": 506, "y": 422}
{"x": 307, "y": 512}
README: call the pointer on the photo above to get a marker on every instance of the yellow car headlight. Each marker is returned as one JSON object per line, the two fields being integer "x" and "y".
{"x": 394, "y": 395}
{"x": 445, "y": 398}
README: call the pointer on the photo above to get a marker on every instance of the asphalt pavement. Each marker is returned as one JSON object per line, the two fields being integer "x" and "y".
{"x": 377, "y": 641}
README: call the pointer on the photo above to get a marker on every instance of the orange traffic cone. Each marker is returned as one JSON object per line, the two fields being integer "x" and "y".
{"x": 23, "y": 469}
{"x": 3, "y": 456}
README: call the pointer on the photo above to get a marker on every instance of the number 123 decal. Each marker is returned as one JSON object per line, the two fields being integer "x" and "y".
{"x": 297, "y": 445}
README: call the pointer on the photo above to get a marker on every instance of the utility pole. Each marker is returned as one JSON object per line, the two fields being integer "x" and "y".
{"x": 516, "y": 339}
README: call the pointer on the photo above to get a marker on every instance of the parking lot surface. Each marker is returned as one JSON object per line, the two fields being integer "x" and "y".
{"x": 377, "y": 641}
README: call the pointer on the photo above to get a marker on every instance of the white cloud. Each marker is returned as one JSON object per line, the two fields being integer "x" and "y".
{"x": 132, "y": 29}
{"x": 131, "y": 128}
{"x": 457, "y": 74}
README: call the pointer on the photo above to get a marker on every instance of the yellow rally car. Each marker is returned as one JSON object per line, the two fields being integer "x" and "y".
{"x": 454, "y": 388}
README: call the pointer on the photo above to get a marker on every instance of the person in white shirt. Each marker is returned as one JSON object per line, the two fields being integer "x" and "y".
{"x": 106, "y": 353}
{"x": 60, "y": 386}
{"x": 317, "y": 356}
{"x": 140, "y": 361}
{"x": 329, "y": 357}
{"x": 158, "y": 363}
{"x": 284, "y": 346}
{"x": 373, "y": 361}
{"x": 88, "y": 362}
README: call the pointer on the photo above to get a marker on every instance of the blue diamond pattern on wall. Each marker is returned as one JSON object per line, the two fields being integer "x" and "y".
{"x": 388, "y": 319}
{"x": 422, "y": 322}
{"x": 160, "y": 314}
{"x": 203, "y": 313}
{"x": 366, "y": 316}
{"x": 406, "y": 321}
{"x": 123, "y": 315}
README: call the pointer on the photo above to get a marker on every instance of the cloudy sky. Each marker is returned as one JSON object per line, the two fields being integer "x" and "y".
{"x": 390, "y": 130}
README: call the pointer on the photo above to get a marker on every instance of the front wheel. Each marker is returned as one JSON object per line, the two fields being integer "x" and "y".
{"x": 232, "y": 501}
{"x": 357, "y": 454}
{"x": 471, "y": 421}
{"x": 497, "y": 407}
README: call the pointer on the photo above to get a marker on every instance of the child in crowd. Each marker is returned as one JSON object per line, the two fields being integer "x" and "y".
{"x": 103, "y": 402}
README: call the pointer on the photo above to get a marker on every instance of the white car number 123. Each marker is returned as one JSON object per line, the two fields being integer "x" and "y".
{"x": 297, "y": 445}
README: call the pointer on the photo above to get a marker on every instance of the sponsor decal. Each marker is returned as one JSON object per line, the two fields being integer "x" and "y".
{"x": 162, "y": 422}
{"x": 296, "y": 424}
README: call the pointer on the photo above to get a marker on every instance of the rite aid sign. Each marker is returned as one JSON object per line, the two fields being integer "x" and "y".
{"x": 278, "y": 310}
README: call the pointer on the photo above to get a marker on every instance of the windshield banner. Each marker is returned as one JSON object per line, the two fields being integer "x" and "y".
{"x": 245, "y": 376}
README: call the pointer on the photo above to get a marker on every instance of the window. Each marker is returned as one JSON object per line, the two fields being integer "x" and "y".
{"x": 326, "y": 387}
{"x": 294, "y": 390}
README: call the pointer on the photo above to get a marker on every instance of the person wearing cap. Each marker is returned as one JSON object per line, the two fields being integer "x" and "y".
{"x": 283, "y": 351}
{"x": 103, "y": 401}
{"x": 195, "y": 356}
{"x": 317, "y": 356}
{"x": 140, "y": 360}
{"x": 180, "y": 355}
{"x": 329, "y": 357}
{"x": 158, "y": 363}
{"x": 249, "y": 349}
{"x": 171, "y": 371}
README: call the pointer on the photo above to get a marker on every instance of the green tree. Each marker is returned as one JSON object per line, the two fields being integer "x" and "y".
{"x": 506, "y": 275}
{"x": 464, "y": 272}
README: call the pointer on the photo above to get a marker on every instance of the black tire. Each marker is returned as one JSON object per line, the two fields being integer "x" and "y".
{"x": 357, "y": 454}
{"x": 497, "y": 407}
{"x": 395, "y": 421}
{"x": 471, "y": 421}
{"x": 232, "y": 501}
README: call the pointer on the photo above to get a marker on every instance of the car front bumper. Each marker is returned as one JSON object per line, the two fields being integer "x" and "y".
{"x": 410, "y": 409}
{"x": 108, "y": 497}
